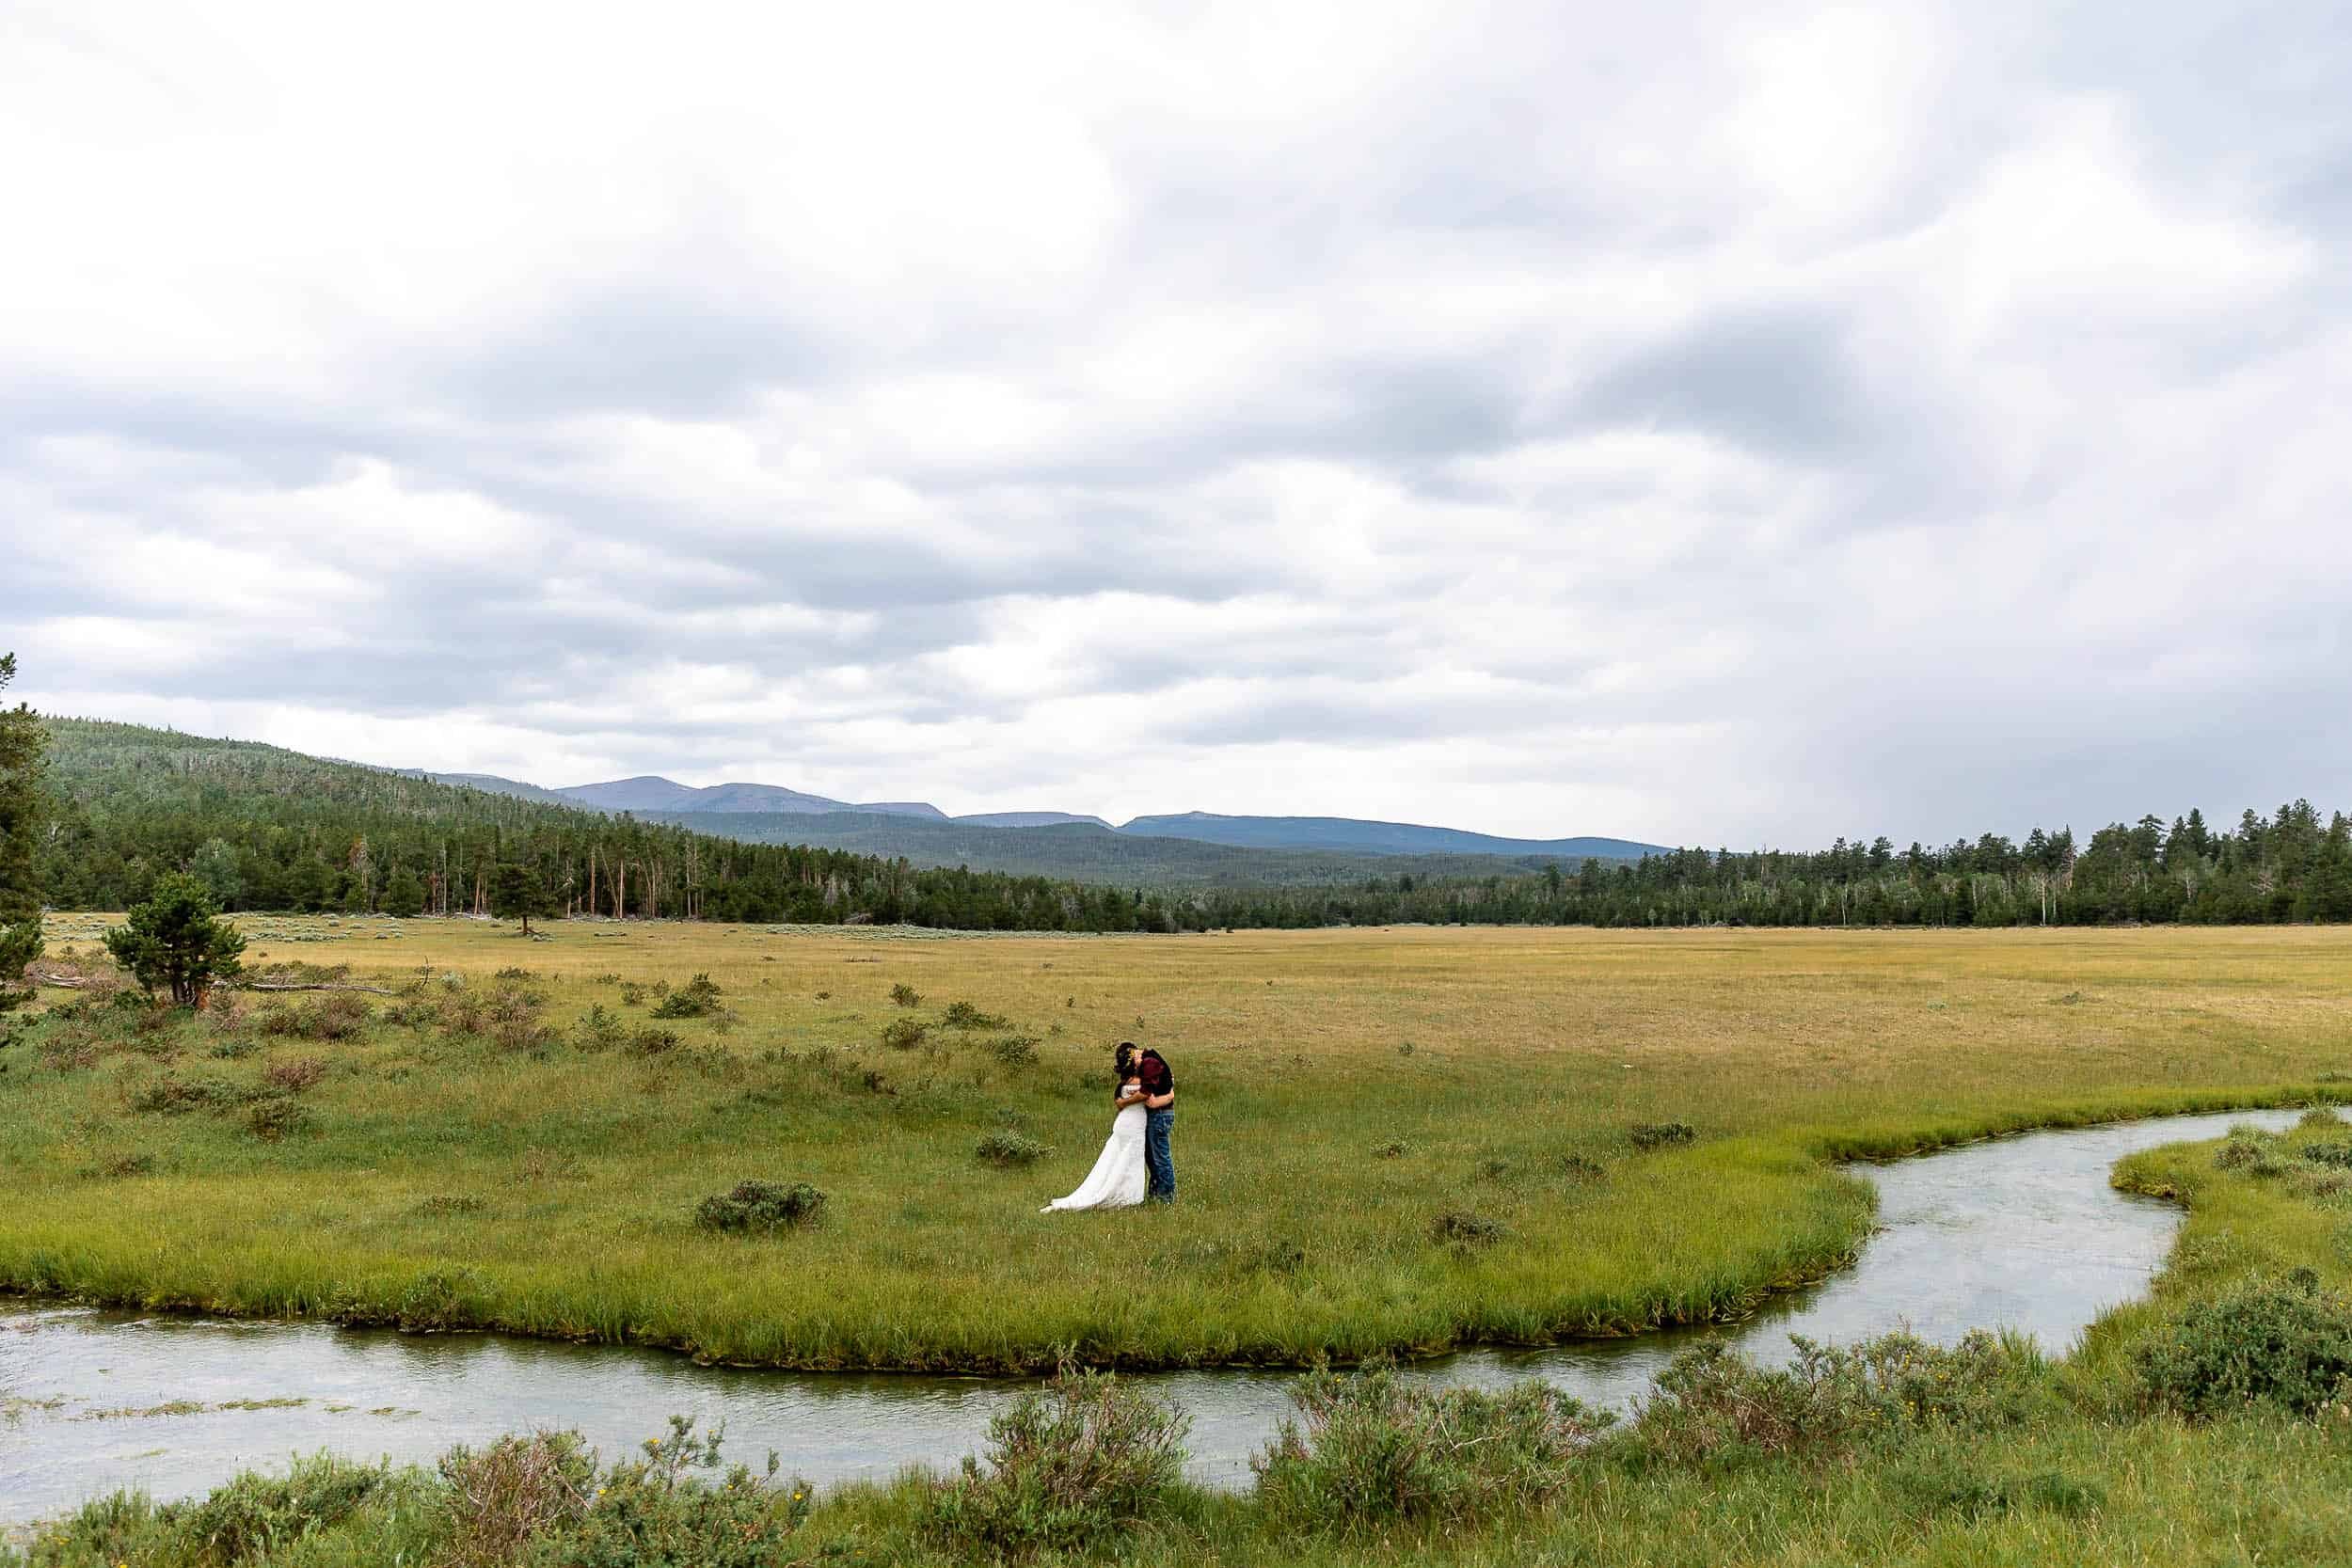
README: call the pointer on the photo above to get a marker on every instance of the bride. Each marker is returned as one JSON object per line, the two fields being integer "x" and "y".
{"x": 1118, "y": 1180}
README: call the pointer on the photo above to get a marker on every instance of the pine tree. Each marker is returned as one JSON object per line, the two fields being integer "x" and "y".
{"x": 21, "y": 745}
{"x": 173, "y": 941}
{"x": 517, "y": 894}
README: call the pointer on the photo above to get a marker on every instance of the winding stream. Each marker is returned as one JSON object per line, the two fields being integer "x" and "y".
{"x": 2020, "y": 1232}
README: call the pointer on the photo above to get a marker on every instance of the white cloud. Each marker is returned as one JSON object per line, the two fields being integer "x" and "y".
{"x": 1711, "y": 424}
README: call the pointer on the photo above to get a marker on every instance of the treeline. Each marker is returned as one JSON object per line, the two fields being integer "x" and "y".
{"x": 2289, "y": 866}
{"x": 268, "y": 829}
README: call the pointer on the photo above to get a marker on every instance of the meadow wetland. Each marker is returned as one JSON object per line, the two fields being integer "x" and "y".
{"x": 1391, "y": 1144}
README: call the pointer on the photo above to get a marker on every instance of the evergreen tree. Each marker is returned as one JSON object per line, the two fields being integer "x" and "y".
{"x": 175, "y": 941}
{"x": 215, "y": 866}
{"x": 517, "y": 894}
{"x": 21, "y": 801}
{"x": 404, "y": 895}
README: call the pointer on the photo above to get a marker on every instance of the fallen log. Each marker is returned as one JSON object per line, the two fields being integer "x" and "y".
{"x": 79, "y": 982}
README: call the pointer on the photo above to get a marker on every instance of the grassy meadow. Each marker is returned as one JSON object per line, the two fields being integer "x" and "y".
{"x": 1387, "y": 1141}
{"x": 2211, "y": 1424}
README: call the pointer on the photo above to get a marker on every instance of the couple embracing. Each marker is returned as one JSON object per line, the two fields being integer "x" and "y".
{"x": 1134, "y": 1165}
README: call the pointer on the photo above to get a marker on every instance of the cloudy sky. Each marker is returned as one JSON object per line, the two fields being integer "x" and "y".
{"x": 1725, "y": 423}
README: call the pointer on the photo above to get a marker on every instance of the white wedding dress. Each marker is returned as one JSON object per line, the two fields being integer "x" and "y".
{"x": 1118, "y": 1180}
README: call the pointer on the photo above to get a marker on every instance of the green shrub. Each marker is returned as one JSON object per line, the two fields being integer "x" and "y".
{"x": 232, "y": 1049}
{"x": 963, "y": 1015}
{"x": 904, "y": 1034}
{"x": 1378, "y": 1448}
{"x": 171, "y": 1097}
{"x": 759, "y": 1206}
{"x": 337, "y": 1016}
{"x": 650, "y": 1041}
{"x": 256, "y": 1514}
{"x": 1011, "y": 1148}
{"x": 1072, "y": 1465}
{"x": 1712, "y": 1399}
{"x": 656, "y": 1512}
{"x": 1658, "y": 1135}
{"x": 1460, "y": 1227}
{"x": 2251, "y": 1151}
{"x": 1582, "y": 1167}
{"x": 277, "y": 1116}
{"x": 905, "y": 995}
{"x": 2265, "y": 1341}
{"x": 1016, "y": 1049}
{"x": 598, "y": 1030}
{"x": 2338, "y": 1154}
{"x": 698, "y": 998}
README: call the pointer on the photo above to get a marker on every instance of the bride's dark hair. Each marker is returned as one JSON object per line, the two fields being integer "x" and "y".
{"x": 1123, "y": 1062}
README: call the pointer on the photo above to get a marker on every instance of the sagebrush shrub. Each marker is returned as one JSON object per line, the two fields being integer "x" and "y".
{"x": 295, "y": 1074}
{"x": 1377, "y": 1447}
{"x": 963, "y": 1015}
{"x": 1073, "y": 1464}
{"x": 1658, "y": 1135}
{"x": 905, "y": 995}
{"x": 904, "y": 1034}
{"x": 2285, "y": 1343}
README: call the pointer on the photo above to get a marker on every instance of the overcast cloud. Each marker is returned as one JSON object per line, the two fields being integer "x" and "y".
{"x": 1721, "y": 423}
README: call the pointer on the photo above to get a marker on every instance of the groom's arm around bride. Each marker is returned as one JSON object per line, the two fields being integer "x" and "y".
{"x": 1159, "y": 1108}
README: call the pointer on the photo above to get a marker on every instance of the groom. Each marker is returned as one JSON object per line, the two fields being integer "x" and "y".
{"x": 1159, "y": 1119}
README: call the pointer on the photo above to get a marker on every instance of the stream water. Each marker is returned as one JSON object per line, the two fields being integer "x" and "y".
{"x": 2019, "y": 1232}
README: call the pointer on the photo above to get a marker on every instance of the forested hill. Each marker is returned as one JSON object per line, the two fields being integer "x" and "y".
{"x": 273, "y": 829}
{"x": 1089, "y": 852}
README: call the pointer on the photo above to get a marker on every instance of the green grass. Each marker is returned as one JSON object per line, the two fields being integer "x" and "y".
{"x": 440, "y": 1177}
{"x": 2085, "y": 1471}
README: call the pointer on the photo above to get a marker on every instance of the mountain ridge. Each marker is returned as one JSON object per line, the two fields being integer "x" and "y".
{"x": 653, "y": 795}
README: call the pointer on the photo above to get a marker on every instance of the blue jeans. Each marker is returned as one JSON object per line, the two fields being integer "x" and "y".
{"x": 1155, "y": 1155}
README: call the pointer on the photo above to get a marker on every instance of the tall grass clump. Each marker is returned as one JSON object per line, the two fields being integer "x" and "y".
{"x": 1378, "y": 1448}
{"x": 1069, "y": 1466}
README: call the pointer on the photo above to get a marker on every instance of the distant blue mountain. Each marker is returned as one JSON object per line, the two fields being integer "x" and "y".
{"x": 1362, "y": 837}
{"x": 1345, "y": 835}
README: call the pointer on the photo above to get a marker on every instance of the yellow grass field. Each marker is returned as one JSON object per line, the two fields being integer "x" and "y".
{"x": 1347, "y": 1100}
